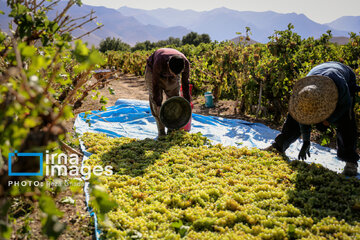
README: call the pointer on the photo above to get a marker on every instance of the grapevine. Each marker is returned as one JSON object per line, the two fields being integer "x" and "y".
{"x": 259, "y": 77}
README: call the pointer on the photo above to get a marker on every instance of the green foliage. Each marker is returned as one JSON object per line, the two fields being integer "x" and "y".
{"x": 147, "y": 45}
{"x": 32, "y": 22}
{"x": 42, "y": 76}
{"x": 52, "y": 227}
{"x": 100, "y": 201}
{"x": 128, "y": 62}
{"x": 171, "y": 41}
{"x": 195, "y": 38}
{"x": 47, "y": 205}
{"x": 192, "y": 38}
{"x": 5, "y": 230}
{"x": 327, "y": 136}
{"x": 351, "y": 52}
{"x": 113, "y": 45}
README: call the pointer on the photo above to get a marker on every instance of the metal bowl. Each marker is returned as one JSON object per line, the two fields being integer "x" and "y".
{"x": 175, "y": 112}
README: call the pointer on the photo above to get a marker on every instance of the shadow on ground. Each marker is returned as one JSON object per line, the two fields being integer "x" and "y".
{"x": 134, "y": 157}
{"x": 320, "y": 193}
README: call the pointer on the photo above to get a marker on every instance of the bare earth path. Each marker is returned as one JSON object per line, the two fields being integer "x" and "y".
{"x": 132, "y": 87}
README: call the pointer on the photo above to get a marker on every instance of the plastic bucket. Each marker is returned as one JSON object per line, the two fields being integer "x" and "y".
{"x": 188, "y": 125}
{"x": 175, "y": 113}
{"x": 209, "y": 100}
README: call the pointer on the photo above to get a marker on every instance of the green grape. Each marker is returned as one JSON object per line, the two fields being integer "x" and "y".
{"x": 184, "y": 187}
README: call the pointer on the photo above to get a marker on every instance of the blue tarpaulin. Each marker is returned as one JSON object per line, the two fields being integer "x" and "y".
{"x": 132, "y": 118}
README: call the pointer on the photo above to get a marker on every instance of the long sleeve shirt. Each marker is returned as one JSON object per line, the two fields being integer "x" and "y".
{"x": 158, "y": 64}
{"x": 345, "y": 81}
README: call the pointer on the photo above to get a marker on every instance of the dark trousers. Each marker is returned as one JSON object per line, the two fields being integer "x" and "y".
{"x": 346, "y": 136}
{"x": 171, "y": 89}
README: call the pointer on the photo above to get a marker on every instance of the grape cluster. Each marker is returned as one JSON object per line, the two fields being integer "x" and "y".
{"x": 182, "y": 186}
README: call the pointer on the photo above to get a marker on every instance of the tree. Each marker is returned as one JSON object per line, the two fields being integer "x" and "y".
{"x": 195, "y": 38}
{"x": 147, "y": 45}
{"x": 113, "y": 44}
{"x": 174, "y": 41}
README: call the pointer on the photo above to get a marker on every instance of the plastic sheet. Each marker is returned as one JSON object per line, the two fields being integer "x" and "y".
{"x": 132, "y": 118}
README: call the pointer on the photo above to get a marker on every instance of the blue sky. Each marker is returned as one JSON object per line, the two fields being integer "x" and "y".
{"x": 321, "y": 11}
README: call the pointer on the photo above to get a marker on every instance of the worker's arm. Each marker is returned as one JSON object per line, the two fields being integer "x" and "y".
{"x": 156, "y": 90}
{"x": 185, "y": 80}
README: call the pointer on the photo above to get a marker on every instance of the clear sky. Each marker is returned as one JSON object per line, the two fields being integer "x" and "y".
{"x": 321, "y": 11}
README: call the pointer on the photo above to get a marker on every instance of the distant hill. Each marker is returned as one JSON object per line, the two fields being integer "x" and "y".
{"x": 242, "y": 39}
{"x": 128, "y": 29}
{"x": 340, "y": 40}
{"x": 347, "y": 23}
{"x": 142, "y": 17}
{"x": 222, "y": 23}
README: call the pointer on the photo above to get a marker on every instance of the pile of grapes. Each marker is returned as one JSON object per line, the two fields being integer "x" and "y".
{"x": 181, "y": 186}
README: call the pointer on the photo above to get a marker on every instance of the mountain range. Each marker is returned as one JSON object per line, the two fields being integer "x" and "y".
{"x": 137, "y": 25}
{"x": 222, "y": 23}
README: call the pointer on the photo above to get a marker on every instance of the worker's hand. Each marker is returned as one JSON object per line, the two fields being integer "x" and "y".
{"x": 305, "y": 150}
